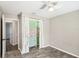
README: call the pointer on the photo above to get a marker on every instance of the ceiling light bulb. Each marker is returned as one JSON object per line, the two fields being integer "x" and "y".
{"x": 51, "y": 9}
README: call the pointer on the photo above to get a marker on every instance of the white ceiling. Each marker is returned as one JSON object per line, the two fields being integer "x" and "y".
{"x": 29, "y": 7}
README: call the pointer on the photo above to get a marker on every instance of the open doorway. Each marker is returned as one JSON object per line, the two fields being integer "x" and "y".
{"x": 9, "y": 37}
{"x": 34, "y": 34}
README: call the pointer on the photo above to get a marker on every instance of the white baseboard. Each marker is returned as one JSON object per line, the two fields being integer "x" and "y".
{"x": 44, "y": 46}
{"x": 20, "y": 50}
{"x": 64, "y": 51}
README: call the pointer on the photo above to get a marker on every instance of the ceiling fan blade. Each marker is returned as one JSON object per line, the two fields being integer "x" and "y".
{"x": 43, "y": 6}
{"x": 54, "y": 3}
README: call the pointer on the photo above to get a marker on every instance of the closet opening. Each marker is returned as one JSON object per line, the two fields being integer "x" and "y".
{"x": 34, "y": 35}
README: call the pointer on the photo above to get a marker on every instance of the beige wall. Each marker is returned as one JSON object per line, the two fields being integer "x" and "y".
{"x": 15, "y": 33}
{"x": 65, "y": 32}
{"x": 46, "y": 33}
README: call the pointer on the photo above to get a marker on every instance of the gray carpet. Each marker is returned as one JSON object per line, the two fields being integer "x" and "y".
{"x": 47, "y": 52}
{"x": 10, "y": 47}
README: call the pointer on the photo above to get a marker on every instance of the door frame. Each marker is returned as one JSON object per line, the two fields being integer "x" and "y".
{"x": 41, "y": 31}
{"x": 5, "y": 30}
{"x": 5, "y": 20}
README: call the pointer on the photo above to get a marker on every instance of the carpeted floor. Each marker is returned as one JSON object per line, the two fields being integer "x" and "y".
{"x": 47, "y": 52}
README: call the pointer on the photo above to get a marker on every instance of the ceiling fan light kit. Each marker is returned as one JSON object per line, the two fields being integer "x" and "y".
{"x": 50, "y": 5}
{"x": 50, "y": 9}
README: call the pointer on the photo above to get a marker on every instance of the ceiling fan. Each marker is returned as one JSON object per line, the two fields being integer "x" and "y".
{"x": 49, "y": 4}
